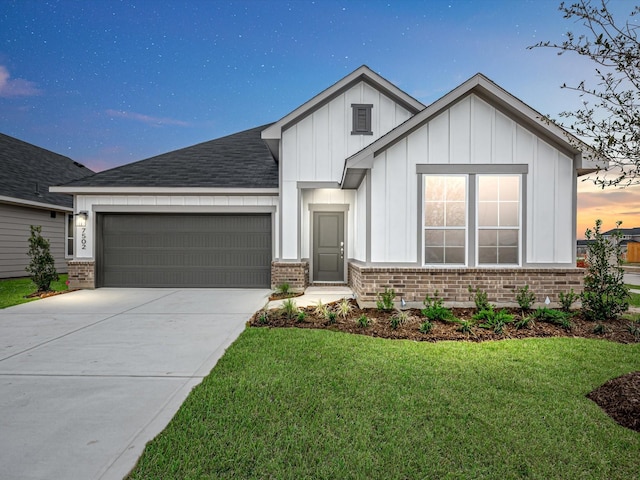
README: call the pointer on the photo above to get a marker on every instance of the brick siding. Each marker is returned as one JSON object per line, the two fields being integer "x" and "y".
{"x": 501, "y": 285}
{"x": 81, "y": 274}
{"x": 296, "y": 274}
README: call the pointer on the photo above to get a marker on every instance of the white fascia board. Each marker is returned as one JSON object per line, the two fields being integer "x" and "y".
{"x": 79, "y": 190}
{"x": 30, "y": 203}
{"x": 274, "y": 131}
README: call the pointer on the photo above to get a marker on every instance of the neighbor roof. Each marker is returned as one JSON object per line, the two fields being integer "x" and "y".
{"x": 28, "y": 171}
{"x": 241, "y": 160}
{"x": 635, "y": 231}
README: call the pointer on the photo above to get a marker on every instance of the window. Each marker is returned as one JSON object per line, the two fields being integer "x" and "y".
{"x": 445, "y": 219}
{"x": 472, "y": 219}
{"x": 69, "y": 231}
{"x": 361, "y": 119}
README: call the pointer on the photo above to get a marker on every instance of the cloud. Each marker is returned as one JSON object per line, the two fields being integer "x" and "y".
{"x": 16, "y": 88}
{"x": 149, "y": 120}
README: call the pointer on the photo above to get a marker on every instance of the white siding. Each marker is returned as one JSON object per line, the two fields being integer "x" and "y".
{"x": 472, "y": 131}
{"x": 162, "y": 204}
{"x": 15, "y": 222}
{"x": 315, "y": 148}
{"x": 359, "y": 251}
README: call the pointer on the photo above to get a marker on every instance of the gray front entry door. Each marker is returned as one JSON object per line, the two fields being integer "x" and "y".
{"x": 328, "y": 246}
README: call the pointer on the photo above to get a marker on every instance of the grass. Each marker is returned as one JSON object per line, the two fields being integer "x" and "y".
{"x": 634, "y": 298}
{"x": 13, "y": 292}
{"x": 290, "y": 404}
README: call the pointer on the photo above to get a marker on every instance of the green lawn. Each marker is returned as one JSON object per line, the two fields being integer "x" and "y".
{"x": 13, "y": 292}
{"x": 294, "y": 404}
{"x": 634, "y": 301}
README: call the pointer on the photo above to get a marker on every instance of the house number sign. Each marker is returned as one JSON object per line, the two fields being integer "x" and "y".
{"x": 83, "y": 238}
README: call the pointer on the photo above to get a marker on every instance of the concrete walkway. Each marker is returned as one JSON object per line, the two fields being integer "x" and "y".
{"x": 88, "y": 378}
{"x": 312, "y": 295}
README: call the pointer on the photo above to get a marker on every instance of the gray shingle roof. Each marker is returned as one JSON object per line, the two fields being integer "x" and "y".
{"x": 28, "y": 171}
{"x": 241, "y": 160}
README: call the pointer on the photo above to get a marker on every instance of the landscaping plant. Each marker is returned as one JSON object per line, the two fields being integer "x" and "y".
{"x": 41, "y": 267}
{"x": 289, "y": 308}
{"x": 363, "y": 321}
{"x": 426, "y": 326}
{"x": 605, "y": 295}
{"x": 434, "y": 309}
{"x": 344, "y": 308}
{"x": 301, "y": 316}
{"x": 493, "y": 320}
{"x": 399, "y": 318}
{"x": 385, "y": 299}
{"x": 567, "y": 300}
{"x": 480, "y": 298}
{"x": 525, "y": 298}
{"x": 283, "y": 288}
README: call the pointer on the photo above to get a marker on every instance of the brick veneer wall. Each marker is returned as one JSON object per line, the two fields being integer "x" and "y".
{"x": 296, "y": 274}
{"x": 81, "y": 274}
{"x": 501, "y": 285}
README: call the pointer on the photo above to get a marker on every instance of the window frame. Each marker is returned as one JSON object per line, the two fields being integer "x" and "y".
{"x": 472, "y": 172}
{"x": 355, "y": 109}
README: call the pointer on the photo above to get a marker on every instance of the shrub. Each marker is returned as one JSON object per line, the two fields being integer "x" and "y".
{"x": 525, "y": 322}
{"x": 399, "y": 318}
{"x": 567, "y": 300}
{"x": 344, "y": 308}
{"x": 466, "y": 326}
{"x": 493, "y": 320}
{"x": 605, "y": 295}
{"x": 263, "y": 318}
{"x": 525, "y": 298}
{"x": 634, "y": 329}
{"x": 435, "y": 309}
{"x": 283, "y": 288}
{"x": 302, "y": 315}
{"x": 556, "y": 317}
{"x": 331, "y": 317}
{"x": 426, "y": 326}
{"x": 479, "y": 298}
{"x": 601, "y": 329}
{"x": 289, "y": 308}
{"x": 41, "y": 267}
{"x": 321, "y": 310}
{"x": 385, "y": 299}
{"x": 363, "y": 321}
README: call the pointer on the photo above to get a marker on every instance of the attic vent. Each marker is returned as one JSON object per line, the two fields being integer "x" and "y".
{"x": 361, "y": 119}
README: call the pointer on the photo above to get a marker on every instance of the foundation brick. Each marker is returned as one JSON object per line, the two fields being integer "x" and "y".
{"x": 296, "y": 274}
{"x": 81, "y": 274}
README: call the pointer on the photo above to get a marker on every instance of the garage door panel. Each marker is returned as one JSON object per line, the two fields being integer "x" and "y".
{"x": 186, "y": 250}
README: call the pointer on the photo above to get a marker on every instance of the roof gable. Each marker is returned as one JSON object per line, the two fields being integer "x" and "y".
{"x": 490, "y": 92}
{"x": 240, "y": 160}
{"x": 273, "y": 133}
{"x": 29, "y": 171}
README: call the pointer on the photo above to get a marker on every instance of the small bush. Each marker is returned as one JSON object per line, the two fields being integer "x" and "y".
{"x": 399, "y": 318}
{"x": 321, "y": 310}
{"x": 363, "y": 321}
{"x": 385, "y": 299}
{"x": 283, "y": 288}
{"x": 605, "y": 295}
{"x": 331, "y": 317}
{"x": 263, "y": 318}
{"x": 289, "y": 308}
{"x": 466, "y": 326}
{"x": 41, "y": 266}
{"x": 525, "y": 322}
{"x": 567, "y": 300}
{"x": 426, "y": 326}
{"x": 302, "y": 315}
{"x": 634, "y": 328}
{"x": 435, "y": 309}
{"x": 344, "y": 308}
{"x": 480, "y": 298}
{"x": 601, "y": 329}
{"x": 525, "y": 298}
{"x": 493, "y": 320}
{"x": 556, "y": 317}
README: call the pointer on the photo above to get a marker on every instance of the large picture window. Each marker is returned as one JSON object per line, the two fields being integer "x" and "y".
{"x": 472, "y": 219}
{"x": 445, "y": 219}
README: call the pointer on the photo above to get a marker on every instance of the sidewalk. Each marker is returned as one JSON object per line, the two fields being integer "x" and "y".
{"x": 312, "y": 295}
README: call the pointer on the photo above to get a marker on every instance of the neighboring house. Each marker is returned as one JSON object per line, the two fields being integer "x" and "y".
{"x": 25, "y": 200}
{"x": 630, "y": 234}
{"x": 360, "y": 185}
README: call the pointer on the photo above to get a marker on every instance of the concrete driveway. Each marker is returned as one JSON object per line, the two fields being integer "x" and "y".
{"x": 88, "y": 378}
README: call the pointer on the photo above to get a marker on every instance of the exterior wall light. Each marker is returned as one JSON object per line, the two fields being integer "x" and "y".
{"x": 81, "y": 218}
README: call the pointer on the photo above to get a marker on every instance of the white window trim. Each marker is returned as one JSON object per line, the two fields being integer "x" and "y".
{"x": 68, "y": 237}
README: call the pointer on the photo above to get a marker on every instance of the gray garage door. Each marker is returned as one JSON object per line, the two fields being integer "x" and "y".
{"x": 148, "y": 250}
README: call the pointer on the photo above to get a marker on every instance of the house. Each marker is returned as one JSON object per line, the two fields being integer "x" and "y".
{"x": 25, "y": 200}
{"x": 361, "y": 185}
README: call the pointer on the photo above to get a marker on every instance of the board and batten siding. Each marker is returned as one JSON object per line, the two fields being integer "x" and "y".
{"x": 15, "y": 222}
{"x": 314, "y": 149}
{"x": 472, "y": 131}
{"x": 164, "y": 204}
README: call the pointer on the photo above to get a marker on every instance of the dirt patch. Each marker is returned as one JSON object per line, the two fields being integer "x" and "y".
{"x": 620, "y": 399}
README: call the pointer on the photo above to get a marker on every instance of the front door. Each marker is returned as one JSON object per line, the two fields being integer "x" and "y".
{"x": 328, "y": 246}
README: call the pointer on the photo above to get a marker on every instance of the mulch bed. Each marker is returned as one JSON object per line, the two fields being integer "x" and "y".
{"x": 49, "y": 293}
{"x": 619, "y": 398}
{"x": 283, "y": 296}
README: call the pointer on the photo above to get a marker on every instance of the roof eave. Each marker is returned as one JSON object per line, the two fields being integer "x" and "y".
{"x": 138, "y": 190}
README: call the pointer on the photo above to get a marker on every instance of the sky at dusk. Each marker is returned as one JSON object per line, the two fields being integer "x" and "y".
{"x": 111, "y": 82}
